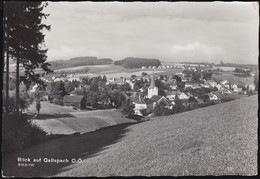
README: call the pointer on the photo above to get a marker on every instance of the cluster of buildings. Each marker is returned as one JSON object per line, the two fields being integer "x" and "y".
{"x": 147, "y": 98}
{"x": 152, "y": 98}
{"x": 178, "y": 66}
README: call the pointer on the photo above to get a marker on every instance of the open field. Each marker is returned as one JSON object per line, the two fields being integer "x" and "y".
{"x": 232, "y": 78}
{"x": 92, "y": 68}
{"x": 113, "y": 71}
{"x": 61, "y": 120}
{"x": 215, "y": 140}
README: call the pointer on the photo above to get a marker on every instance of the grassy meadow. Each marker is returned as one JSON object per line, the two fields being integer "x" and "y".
{"x": 59, "y": 120}
{"x": 232, "y": 78}
{"x": 215, "y": 140}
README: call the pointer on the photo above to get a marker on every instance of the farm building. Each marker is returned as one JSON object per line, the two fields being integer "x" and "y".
{"x": 76, "y": 101}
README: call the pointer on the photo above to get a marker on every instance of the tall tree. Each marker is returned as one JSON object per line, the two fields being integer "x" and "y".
{"x": 24, "y": 40}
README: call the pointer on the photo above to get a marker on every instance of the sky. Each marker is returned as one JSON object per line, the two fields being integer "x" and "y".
{"x": 168, "y": 31}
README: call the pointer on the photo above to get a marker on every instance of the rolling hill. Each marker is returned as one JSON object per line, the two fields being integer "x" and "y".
{"x": 215, "y": 140}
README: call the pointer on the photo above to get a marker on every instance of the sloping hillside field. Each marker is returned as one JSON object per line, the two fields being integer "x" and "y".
{"x": 216, "y": 140}
{"x": 59, "y": 120}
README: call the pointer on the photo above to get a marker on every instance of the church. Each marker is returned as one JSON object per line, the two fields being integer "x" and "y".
{"x": 152, "y": 90}
{"x": 152, "y": 100}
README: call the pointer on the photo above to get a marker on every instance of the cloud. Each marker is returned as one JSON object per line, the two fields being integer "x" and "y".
{"x": 161, "y": 30}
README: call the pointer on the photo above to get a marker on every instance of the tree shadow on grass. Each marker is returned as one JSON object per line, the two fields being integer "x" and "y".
{"x": 68, "y": 147}
{"x": 52, "y": 116}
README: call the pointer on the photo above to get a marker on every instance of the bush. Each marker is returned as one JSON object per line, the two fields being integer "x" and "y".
{"x": 161, "y": 111}
{"x": 58, "y": 102}
{"x": 19, "y": 133}
{"x": 226, "y": 99}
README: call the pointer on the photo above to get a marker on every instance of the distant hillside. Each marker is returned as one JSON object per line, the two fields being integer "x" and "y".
{"x": 253, "y": 67}
{"x": 132, "y": 62}
{"x": 79, "y": 61}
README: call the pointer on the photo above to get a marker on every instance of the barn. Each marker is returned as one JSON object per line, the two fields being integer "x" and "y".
{"x": 75, "y": 101}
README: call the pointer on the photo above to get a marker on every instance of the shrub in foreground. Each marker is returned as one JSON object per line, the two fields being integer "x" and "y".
{"x": 20, "y": 133}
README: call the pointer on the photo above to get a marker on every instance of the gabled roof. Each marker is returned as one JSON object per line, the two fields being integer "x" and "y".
{"x": 73, "y": 98}
{"x": 133, "y": 99}
{"x": 211, "y": 95}
{"x": 210, "y": 81}
{"x": 155, "y": 98}
{"x": 84, "y": 88}
{"x": 173, "y": 93}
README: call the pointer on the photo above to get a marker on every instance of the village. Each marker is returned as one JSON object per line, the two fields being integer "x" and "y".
{"x": 152, "y": 94}
{"x": 119, "y": 89}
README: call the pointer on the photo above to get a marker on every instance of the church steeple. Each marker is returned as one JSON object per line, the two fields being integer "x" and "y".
{"x": 152, "y": 85}
{"x": 152, "y": 90}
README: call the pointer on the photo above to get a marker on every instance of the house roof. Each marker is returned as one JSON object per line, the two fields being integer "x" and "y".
{"x": 211, "y": 81}
{"x": 182, "y": 93}
{"x": 211, "y": 95}
{"x": 196, "y": 85}
{"x": 140, "y": 102}
{"x": 189, "y": 83}
{"x": 155, "y": 98}
{"x": 119, "y": 80}
{"x": 173, "y": 93}
{"x": 83, "y": 88}
{"x": 73, "y": 98}
{"x": 224, "y": 82}
{"x": 133, "y": 99}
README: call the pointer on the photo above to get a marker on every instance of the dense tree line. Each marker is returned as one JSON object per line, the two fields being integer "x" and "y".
{"x": 131, "y": 62}
{"x": 79, "y": 61}
{"x": 244, "y": 73}
{"x": 245, "y": 66}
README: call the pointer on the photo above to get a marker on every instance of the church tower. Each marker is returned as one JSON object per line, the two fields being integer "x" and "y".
{"x": 152, "y": 90}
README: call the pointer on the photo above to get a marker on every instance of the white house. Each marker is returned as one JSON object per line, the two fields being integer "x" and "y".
{"x": 180, "y": 74}
{"x": 223, "y": 82}
{"x": 226, "y": 91}
{"x": 183, "y": 96}
{"x": 172, "y": 94}
{"x": 139, "y": 105}
{"x": 219, "y": 86}
{"x": 204, "y": 85}
{"x": 227, "y": 86}
{"x": 235, "y": 88}
{"x": 212, "y": 97}
{"x": 250, "y": 87}
{"x": 188, "y": 85}
{"x": 195, "y": 86}
{"x": 173, "y": 86}
{"x": 211, "y": 83}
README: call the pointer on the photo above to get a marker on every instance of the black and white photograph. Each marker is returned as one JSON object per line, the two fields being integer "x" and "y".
{"x": 121, "y": 89}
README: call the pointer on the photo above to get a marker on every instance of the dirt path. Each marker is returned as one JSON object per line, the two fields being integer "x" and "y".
{"x": 65, "y": 148}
